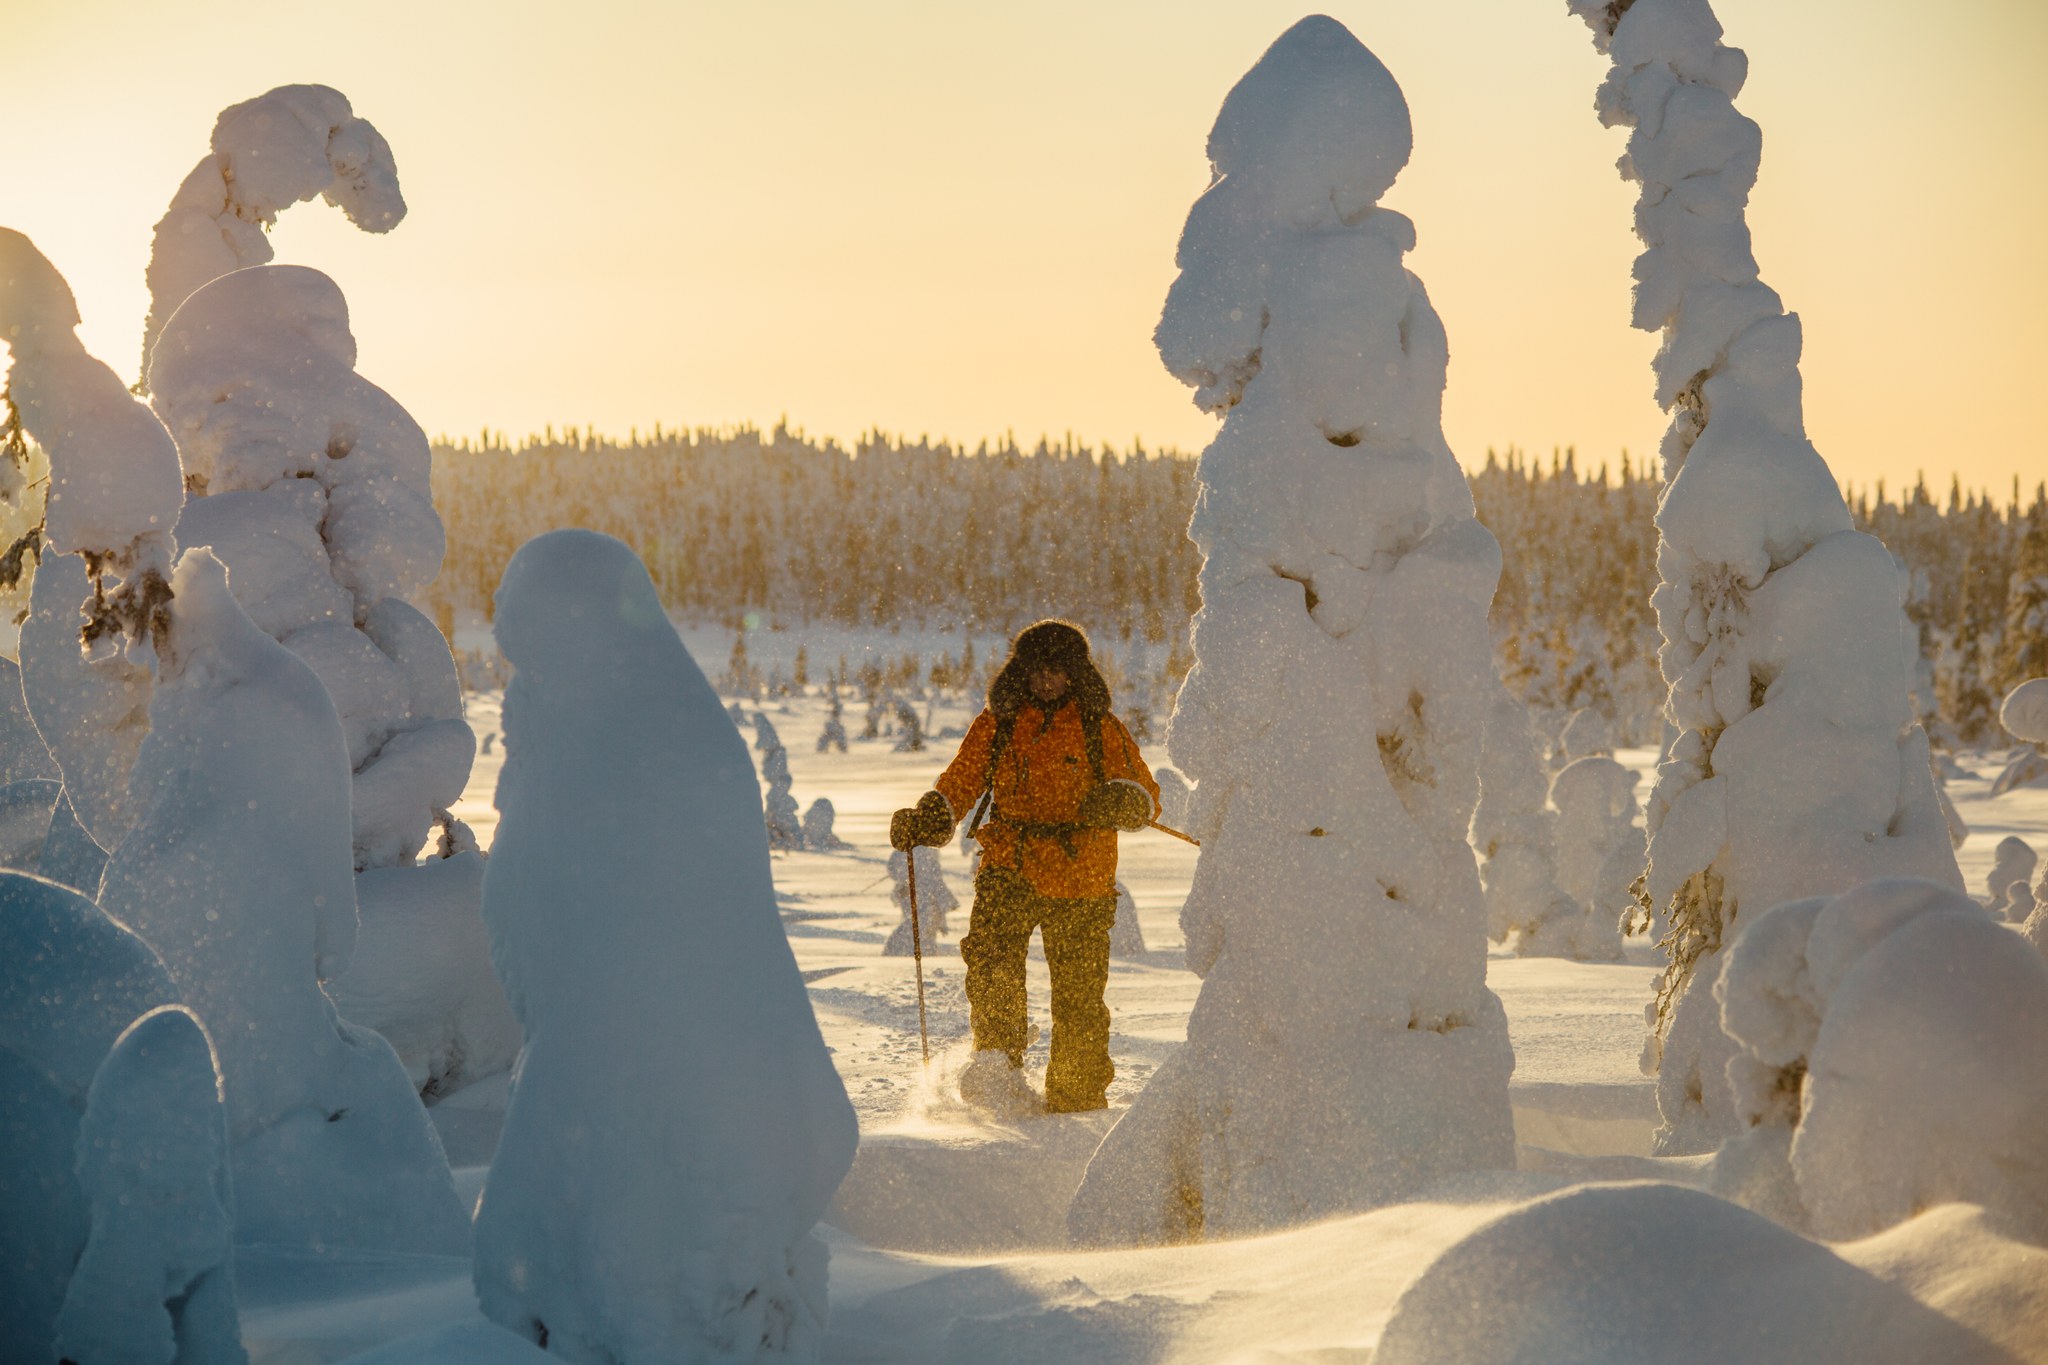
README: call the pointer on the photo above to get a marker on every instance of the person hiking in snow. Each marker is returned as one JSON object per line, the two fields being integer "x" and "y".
{"x": 1049, "y": 776}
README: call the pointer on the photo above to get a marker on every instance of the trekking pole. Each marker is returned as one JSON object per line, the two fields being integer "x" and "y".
{"x": 917, "y": 952}
{"x": 1169, "y": 829}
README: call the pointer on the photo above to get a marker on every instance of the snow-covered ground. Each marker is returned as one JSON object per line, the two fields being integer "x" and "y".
{"x": 948, "y": 1236}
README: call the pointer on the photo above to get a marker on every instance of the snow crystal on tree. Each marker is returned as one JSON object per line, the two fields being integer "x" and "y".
{"x": 238, "y": 873}
{"x": 156, "y": 1280}
{"x": 268, "y": 153}
{"x": 1800, "y": 768}
{"x": 1344, "y": 1047}
{"x": 74, "y": 980}
{"x": 677, "y": 1128}
{"x": 1902, "y": 1035}
{"x": 935, "y": 901}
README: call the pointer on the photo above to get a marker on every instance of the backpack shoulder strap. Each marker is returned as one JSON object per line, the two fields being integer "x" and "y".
{"x": 984, "y": 806}
{"x": 998, "y": 744}
{"x": 1091, "y": 739}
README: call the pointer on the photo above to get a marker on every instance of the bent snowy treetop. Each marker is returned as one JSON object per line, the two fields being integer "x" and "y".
{"x": 269, "y": 153}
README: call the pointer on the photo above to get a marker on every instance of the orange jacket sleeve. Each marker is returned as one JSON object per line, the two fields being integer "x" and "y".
{"x": 966, "y": 777}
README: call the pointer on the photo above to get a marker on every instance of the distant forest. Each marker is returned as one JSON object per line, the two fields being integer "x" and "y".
{"x": 923, "y": 532}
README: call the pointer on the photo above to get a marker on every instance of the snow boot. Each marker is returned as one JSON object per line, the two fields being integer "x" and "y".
{"x": 991, "y": 1081}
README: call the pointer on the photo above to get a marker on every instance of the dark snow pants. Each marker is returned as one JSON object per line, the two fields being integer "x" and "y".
{"x": 1076, "y": 936}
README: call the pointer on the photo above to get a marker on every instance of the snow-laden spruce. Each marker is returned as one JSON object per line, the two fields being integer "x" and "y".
{"x": 115, "y": 490}
{"x": 1799, "y": 768}
{"x": 2024, "y": 714}
{"x": 1901, "y": 1035}
{"x": 1599, "y": 851}
{"x": 1126, "y": 935}
{"x": 677, "y": 1128}
{"x": 935, "y": 901}
{"x": 311, "y": 484}
{"x": 785, "y": 829}
{"x": 268, "y": 153}
{"x": 156, "y": 1280}
{"x": 1345, "y": 1046}
{"x": 817, "y": 830}
{"x": 1514, "y": 833}
{"x": 238, "y": 874}
{"x": 73, "y": 980}
{"x": 2012, "y": 869}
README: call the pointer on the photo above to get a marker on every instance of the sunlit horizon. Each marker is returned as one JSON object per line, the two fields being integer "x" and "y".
{"x": 959, "y": 222}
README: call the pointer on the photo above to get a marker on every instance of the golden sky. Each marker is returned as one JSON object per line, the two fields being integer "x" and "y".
{"x": 959, "y": 219}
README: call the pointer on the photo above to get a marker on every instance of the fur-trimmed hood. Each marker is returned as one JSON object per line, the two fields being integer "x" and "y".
{"x": 1049, "y": 644}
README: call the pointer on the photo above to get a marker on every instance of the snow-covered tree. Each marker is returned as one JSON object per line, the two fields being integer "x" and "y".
{"x": 678, "y": 1127}
{"x": 2024, "y": 714}
{"x": 833, "y": 735}
{"x": 1514, "y": 834}
{"x": 1799, "y": 769}
{"x": 935, "y": 901}
{"x": 1599, "y": 855}
{"x": 74, "y": 981}
{"x": 779, "y": 809}
{"x": 156, "y": 1279}
{"x": 285, "y": 146}
{"x": 1899, "y": 1034}
{"x": 1344, "y": 1046}
{"x": 2012, "y": 868}
{"x": 1175, "y": 795}
{"x": 311, "y": 485}
{"x": 238, "y": 873}
{"x": 818, "y": 835}
{"x": 1126, "y": 935}
{"x": 101, "y": 591}
{"x": 2023, "y": 644}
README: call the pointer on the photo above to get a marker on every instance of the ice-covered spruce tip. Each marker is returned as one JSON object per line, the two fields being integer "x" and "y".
{"x": 1344, "y": 1047}
{"x": 677, "y": 1128}
{"x": 1799, "y": 768}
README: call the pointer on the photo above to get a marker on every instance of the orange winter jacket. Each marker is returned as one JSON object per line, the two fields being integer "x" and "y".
{"x": 1040, "y": 779}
